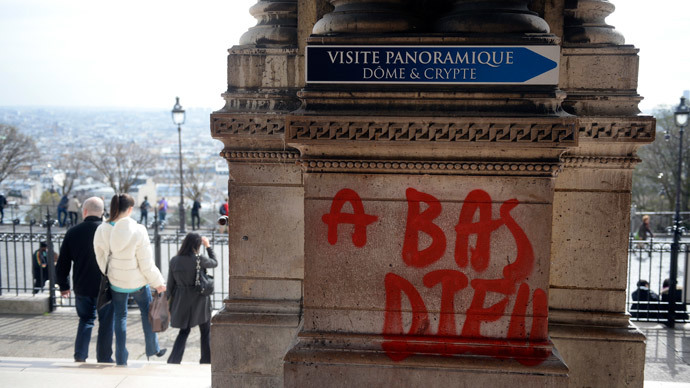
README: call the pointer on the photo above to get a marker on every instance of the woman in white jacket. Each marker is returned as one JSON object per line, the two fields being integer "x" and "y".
{"x": 124, "y": 245}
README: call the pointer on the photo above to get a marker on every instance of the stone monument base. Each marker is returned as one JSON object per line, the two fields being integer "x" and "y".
{"x": 349, "y": 361}
{"x": 257, "y": 333}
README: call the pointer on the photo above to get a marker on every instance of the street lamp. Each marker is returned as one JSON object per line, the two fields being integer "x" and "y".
{"x": 681, "y": 118}
{"x": 178, "y": 117}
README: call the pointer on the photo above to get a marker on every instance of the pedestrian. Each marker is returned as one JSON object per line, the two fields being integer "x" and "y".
{"x": 144, "y": 209}
{"x": 77, "y": 250}
{"x": 665, "y": 288}
{"x": 105, "y": 210}
{"x": 188, "y": 308}
{"x": 195, "y": 214}
{"x": 73, "y": 206}
{"x": 645, "y": 230}
{"x": 224, "y": 211}
{"x": 39, "y": 267}
{"x": 123, "y": 245}
{"x": 643, "y": 293}
{"x": 162, "y": 211}
{"x": 62, "y": 210}
{"x": 3, "y": 203}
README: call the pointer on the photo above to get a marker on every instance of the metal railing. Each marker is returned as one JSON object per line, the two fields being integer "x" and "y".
{"x": 650, "y": 260}
{"x": 18, "y": 243}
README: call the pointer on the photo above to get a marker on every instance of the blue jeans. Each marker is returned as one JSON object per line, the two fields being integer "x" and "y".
{"x": 86, "y": 310}
{"x": 143, "y": 298}
{"x": 62, "y": 216}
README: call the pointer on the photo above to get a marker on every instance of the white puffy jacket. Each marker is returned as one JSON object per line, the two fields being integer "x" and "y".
{"x": 131, "y": 262}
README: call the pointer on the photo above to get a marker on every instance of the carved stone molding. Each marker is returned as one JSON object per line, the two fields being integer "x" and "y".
{"x": 536, "y": 131}
{"x": 247, "y": 125}
{"x": 546, "y": 169}
{"x": 277, "y": 24}
{"x": 620, "y": 129}
{"x": 260, "y": 156}
{"x": 599, "y": 162}
{"x": 492, "y": 16}
{"x": 365, "y": 17}
{"x": 585, "y": 23}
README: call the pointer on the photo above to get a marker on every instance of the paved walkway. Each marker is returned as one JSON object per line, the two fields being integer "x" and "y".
{"x": 64, "y": 373}
{"x": 37, "y": 351}
{"x": 667, "y": 361}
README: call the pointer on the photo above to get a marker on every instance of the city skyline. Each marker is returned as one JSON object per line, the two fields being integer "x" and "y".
{"x": 141, "y": 55}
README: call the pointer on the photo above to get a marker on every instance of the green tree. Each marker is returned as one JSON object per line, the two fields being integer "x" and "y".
{"x": 654, "y": 179}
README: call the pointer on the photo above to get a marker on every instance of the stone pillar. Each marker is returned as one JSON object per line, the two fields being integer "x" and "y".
{"x": 492, "y": 16}
{"x": 365, "y": 17}
{"x": 416, "y": 235}
{"x": 259, "y": 321}
{"x": 585, "y": 23}
{"x": 592, "y": 203}
{"x": 598, "y": 71}
{"x": 427, "y": 216}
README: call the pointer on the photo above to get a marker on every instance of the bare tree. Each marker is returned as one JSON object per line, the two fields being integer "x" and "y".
{"x": 16, "y": 149}
{"x": 72, "y": 165}
{"x": 654, "y": 180}
{"x": 197, "y": 178}
{"x": 121, "y": 164}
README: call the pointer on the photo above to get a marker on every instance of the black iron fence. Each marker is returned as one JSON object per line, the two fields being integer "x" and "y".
{"x": 19, "y": 242}
{"x": 649, "y": 261}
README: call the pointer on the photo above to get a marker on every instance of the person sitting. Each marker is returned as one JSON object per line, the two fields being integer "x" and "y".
{"x": 643, "y": 293}
{"x": 665, "y": 291}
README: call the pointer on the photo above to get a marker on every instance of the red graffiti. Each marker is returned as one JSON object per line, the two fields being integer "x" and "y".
{"x": 528, "y": 348}
{"x": 422, "y": 222}
{"x": 357, "y": 218}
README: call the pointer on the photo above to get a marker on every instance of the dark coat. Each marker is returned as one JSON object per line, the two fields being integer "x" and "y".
{"x": 188, "y": 308}
{"x": 644, "y": 294}
{"x": 77, "y": 248}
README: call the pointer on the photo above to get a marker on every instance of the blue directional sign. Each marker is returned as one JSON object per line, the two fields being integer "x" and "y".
{"x": 528, "y": 65}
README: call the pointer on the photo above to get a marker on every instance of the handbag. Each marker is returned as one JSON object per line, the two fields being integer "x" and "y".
{"x": 204, "y": 281}
{"x": 159, "y": 314}
{"x": 105, "y": 295}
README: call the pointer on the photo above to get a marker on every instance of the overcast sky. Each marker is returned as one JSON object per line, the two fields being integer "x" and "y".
{"x": 143, "y": 53}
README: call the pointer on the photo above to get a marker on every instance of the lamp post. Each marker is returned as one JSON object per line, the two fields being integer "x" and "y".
{"x": 178, "y": 117}
{"x": 681, "y": 118}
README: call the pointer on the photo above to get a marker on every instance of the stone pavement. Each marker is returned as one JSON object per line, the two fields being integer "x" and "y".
{"x": 667, "y": 361}
{"x": 37, "y": 351}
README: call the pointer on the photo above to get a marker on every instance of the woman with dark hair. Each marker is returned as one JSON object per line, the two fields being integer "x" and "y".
{"x": 123, "y": 245}
{"x": 188, "y": 308}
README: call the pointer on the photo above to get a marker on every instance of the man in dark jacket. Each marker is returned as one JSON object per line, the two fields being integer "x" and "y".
{"x": 77, "y": 248}
{"x": 643, "y": 293}
{"x": 3, "y": 203}
{"x": 195, "y": 214}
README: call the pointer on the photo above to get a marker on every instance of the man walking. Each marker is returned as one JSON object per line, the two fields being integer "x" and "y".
{"x": 144, "y": 209}
{"x": 162, "y": 211}
{"x": 195, "y": 214}
{"x": 3, "y": 203}
{"x": 77, "y": 248}
{"x": 73, "y": 206}
{"x": 224, "y": 211}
